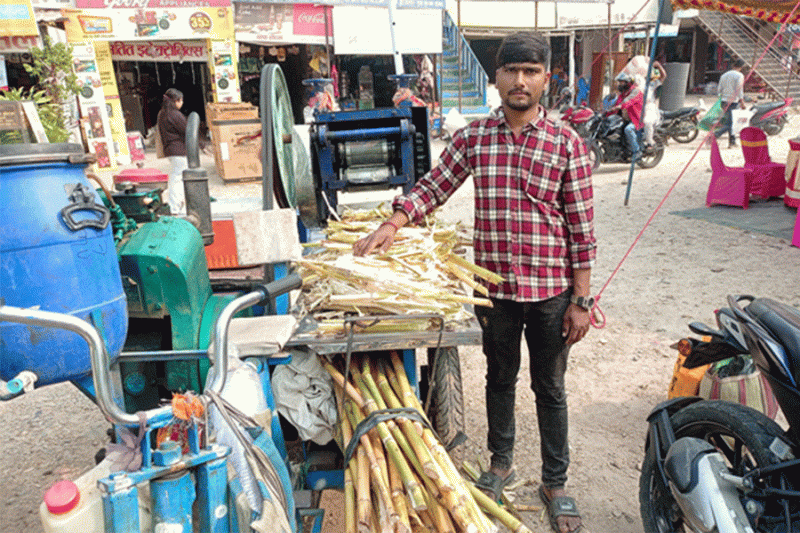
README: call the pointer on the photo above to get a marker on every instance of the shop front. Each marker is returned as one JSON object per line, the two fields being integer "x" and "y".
{"x": 294, "y": 36}
{"x": 144, "y": 70}
{"x": 126, "y": 57}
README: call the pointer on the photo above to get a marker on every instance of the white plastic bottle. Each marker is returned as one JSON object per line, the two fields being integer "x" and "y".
{"x": 77, "y": 507}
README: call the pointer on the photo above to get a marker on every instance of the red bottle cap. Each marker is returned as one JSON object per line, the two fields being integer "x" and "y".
{"x": 62, "y": 497}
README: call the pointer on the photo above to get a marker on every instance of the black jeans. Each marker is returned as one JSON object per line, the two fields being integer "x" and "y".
{"x": 503, "y": 326}
{"x": 727, "y": 122}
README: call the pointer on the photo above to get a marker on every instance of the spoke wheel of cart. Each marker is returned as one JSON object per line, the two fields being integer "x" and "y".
{"x": 444, "y": 399}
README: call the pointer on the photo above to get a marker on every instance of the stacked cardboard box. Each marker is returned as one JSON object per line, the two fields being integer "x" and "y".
{"x": 236, "y": 137}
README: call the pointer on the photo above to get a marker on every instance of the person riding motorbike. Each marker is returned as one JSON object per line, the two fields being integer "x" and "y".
{"x": 629, "y": 106}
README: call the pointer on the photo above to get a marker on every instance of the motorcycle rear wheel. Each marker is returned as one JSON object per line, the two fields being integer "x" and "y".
{"x": 651, "y": 155}
{"x": 742, "y": 435}
{"x": 686, "y": 133}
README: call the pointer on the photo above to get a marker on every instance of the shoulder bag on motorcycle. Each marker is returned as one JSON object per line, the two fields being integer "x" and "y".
{"x": 738, "y": 380}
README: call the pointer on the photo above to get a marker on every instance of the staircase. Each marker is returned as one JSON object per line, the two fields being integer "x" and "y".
{"x": 743, "y": 41}
{"x": 473, "y": 78}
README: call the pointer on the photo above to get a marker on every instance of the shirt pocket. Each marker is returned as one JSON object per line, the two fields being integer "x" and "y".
{"x": 541, "y": 177}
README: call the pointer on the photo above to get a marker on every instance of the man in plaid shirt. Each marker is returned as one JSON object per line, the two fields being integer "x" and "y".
{"x": 533, "y": 226}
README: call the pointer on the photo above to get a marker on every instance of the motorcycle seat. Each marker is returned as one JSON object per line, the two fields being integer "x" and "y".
{"x": 666, "y": 115}
{"x": 763, "y": 108}
{"x": 783, "y": 321}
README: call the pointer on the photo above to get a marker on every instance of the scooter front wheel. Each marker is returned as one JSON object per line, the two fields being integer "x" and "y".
{"x": 742, "y": 435}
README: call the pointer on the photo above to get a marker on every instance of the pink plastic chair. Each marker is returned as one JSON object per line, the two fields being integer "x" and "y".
{"x": 729, "y": 185}
{"x": 768, "y": 178}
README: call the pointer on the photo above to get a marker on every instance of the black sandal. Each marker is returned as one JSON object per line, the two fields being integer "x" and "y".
{"x": 491, "y": 483}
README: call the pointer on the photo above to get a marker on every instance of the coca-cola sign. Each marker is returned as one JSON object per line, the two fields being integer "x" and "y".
{"x": 310, "y": 20}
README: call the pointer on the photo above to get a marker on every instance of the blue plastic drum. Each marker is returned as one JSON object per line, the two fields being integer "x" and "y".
{"x": 56, "y": 254}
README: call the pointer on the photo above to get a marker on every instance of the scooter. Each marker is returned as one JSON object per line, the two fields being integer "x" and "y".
{"x": 771, "y": 117}
{"x": 680, "y": 124}
{"x": 717, "y": 466}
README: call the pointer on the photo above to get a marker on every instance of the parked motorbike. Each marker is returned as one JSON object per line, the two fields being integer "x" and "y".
{"x": 605, "y": 141}
{"x": 771, "y": 117}
{"x": 680, "y": 124}
{"x": 578, "y": 116}
{"x": 716, "y": 466}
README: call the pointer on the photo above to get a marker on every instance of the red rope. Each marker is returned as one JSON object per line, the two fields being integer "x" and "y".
{"x": 675, "y": 183}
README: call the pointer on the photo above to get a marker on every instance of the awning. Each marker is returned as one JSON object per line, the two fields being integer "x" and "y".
{"x": 768, "y": 10}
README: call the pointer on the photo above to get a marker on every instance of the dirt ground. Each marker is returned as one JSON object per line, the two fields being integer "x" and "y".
{"x": 679, "y": 271}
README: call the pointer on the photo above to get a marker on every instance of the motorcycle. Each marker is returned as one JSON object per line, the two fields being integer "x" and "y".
{"x": 717, "y": 466}
{"x": 605, "y": 141}
{"x": 680, "y": 125}
{"x": 771, "y": 117}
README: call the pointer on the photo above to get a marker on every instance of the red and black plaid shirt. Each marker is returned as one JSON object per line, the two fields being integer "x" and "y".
{"x": 533, "y": 202}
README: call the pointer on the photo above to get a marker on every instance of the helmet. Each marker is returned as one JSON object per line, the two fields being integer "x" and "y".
{"x": 624, "y": 77}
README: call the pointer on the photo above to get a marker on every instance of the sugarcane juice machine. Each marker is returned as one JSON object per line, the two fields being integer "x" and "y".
{"x": 366, "y": 149}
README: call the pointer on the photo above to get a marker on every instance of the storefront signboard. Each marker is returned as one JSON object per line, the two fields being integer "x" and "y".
{"x": 364, "y": 31}
{"x": 146, "y": 23}
{"x": 92, "y": 102}
{"x": 16, "y": 18}
{"x": 282, "y": 23}
{"x": 19, "y": 44}
{"x": 159, "y": 51}
{"x": 116, "y": 119}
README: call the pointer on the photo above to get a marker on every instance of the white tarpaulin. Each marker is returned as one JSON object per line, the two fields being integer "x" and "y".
{"x": 303, "y": 393}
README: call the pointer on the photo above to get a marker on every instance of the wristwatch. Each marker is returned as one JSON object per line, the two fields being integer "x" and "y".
{"x": 584, "y": 302}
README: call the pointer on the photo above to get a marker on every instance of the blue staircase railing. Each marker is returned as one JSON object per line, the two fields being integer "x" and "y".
{"x": 472, "y": 71}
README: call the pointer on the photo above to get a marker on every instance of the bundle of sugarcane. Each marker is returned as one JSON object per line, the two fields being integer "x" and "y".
{"x": 423, "y": 272}
{"x": 399, "y": 477}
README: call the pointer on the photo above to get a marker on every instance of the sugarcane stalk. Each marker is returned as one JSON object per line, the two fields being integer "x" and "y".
{"x": 399, "y": 379}
{"x": 385, "y": 505}
{"x": 400, "y": 503}
{"x": 363, "y": 500}
{"x": 463, "y": 276}
{"x": 441, "y": 519}
{"x": 414, "y": 439}
{"x": 412, "y": 488}
{"x": 479, "y": 271}
{"x": 350, "y": 470}
{"x": 473, "y": 474}
{"x": 444, "y": 487}
{"x": 411, "y": 431}
{"x": 490, "y": 506}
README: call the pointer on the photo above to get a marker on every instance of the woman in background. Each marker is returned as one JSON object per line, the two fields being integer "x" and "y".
{"x": 172, "y": 128}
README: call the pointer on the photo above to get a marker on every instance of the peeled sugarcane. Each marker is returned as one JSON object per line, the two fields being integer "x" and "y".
{"x": 413, "y": 489}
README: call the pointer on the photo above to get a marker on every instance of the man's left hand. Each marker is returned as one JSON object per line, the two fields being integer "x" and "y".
{"x": 576, "y": 324}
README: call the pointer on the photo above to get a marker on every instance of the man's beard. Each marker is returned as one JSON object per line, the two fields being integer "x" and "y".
{"x": 524, "y": 105}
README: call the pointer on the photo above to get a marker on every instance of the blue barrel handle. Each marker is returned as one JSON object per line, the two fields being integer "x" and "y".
{"x": 82, "y": 199}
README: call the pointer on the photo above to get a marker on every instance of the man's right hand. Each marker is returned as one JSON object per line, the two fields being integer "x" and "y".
{"x": 382, "y": 238}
